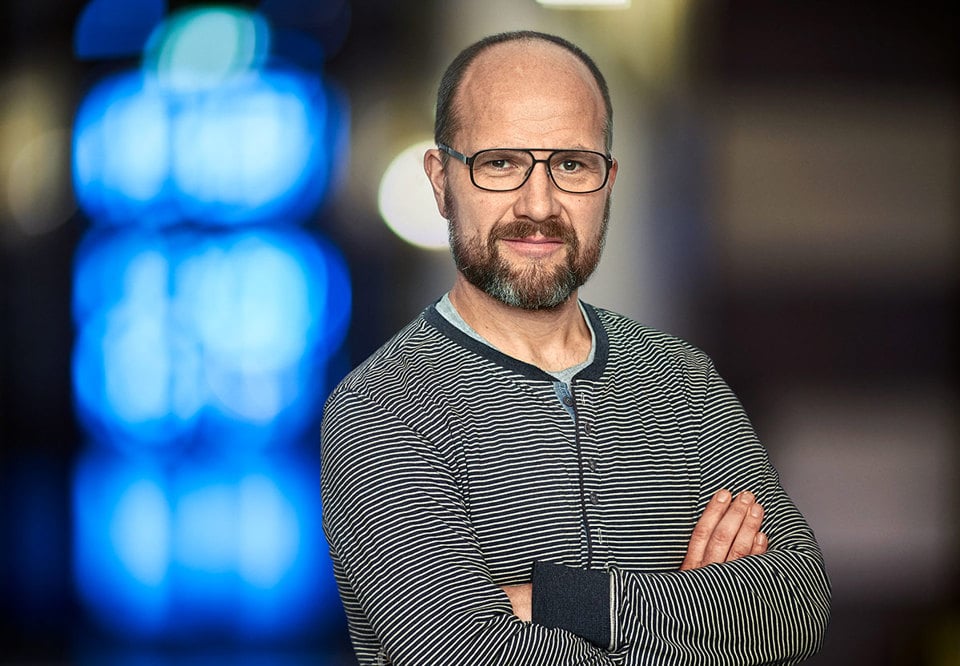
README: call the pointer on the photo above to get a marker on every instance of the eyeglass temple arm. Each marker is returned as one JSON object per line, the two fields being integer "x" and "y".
{"x": 452, "y": 153}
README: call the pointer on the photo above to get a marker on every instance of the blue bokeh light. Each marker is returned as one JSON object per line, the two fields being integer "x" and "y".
{"x": 185, "y": 334}
{"x": 111, "y": 573}
{"x": 116, "y": 28}
{"x": 206, "y": 320}
{"x": 206, "y": 47}
{"x": 255, "y": 149}
{"x": 162, "y": 550}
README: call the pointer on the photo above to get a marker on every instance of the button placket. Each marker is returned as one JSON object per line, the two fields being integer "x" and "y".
{"x": 590, "y": 460}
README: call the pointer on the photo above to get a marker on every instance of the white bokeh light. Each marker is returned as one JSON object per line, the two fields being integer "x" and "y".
{"x": 406, "y": 200}
{"x": 37, "y": 190}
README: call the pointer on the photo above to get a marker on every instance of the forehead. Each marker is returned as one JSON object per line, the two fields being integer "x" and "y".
{"x": 530, "y": 94}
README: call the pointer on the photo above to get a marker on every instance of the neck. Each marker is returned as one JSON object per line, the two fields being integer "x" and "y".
{"x": 552, "y": 340}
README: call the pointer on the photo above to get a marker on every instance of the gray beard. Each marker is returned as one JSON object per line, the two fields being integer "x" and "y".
{"x": 536, "y": 287}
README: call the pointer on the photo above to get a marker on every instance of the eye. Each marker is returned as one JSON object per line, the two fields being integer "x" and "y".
{"x": 570, "y": 166}
{"x": 499, "y": 161}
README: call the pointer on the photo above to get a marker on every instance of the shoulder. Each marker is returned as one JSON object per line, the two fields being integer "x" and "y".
{"x": 407, "y": 369}
{"x": 629, "y": 340}
{"x": 397, "y": 402}
{"x": 388, "y": 363}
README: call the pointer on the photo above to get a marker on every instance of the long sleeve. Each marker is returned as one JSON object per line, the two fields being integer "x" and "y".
{"x": 450, "y": 469}
{"x": 764, "y": 609}
{"x": 405, "y": 552}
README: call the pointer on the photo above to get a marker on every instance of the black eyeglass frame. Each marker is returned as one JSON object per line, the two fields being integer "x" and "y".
{"x": 608, "y": 160}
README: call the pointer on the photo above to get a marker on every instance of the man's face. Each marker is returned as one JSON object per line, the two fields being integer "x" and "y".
{"x": 531, "y": 285}
{"x": 533, "y": 247}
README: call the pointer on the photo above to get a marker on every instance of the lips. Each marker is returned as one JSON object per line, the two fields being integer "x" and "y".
{"x": 536, "y": 240}
{"x": 534, "y": 247}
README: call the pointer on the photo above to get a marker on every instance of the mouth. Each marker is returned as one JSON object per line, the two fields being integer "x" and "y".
{"x": 537, "y": 240}
{"x": 535, "y": 245}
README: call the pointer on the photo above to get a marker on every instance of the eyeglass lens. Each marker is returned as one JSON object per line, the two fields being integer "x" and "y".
{"x": 572, "y": 170}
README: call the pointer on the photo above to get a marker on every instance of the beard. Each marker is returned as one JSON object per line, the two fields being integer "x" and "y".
{"x": 536, "y": 286}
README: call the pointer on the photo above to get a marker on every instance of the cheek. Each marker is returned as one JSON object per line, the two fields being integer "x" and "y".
{"x": 480, "y": 212}
{"x": 589, "y": 219}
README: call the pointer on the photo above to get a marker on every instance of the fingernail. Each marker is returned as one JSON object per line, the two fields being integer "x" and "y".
{"x": 723, "y": 496}
{"x": 746, "y": 497}
{"x": 760, "y": 539}
{"x": 756, "y": 510}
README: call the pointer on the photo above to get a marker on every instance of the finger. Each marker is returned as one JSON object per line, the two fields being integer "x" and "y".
{"x": 759, "y": 544}
{"x": 521, "y": 599}
{"x": 727, "y": 529}
{"x": 703, "y": 530}
{"x": 744, "y": 542}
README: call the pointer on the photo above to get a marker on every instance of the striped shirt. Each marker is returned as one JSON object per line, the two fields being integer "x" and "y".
{"x": 450, "y": 469}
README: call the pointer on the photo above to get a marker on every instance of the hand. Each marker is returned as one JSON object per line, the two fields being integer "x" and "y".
{"x": 521, "y": 598}
{"x": 728, "y": 530}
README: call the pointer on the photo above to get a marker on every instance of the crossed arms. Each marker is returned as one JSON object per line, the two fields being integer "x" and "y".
{"x": 427, "y": 542}
{"x": 418, "y": 589}
{"x": 727, "y": 531}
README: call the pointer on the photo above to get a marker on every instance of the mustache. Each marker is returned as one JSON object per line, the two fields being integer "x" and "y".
{"x": 551, "y": 227}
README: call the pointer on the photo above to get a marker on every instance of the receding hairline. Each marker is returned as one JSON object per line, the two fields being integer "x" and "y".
{"x": 448, "y": 118}
{"x": 488, "y": 55}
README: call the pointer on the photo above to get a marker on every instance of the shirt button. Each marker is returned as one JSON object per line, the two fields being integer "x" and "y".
{"x": 592, "y": 464}
{"x": 594, "y": 499}
{"x": 587, "y": 428}
{"x": 568, "y": 401}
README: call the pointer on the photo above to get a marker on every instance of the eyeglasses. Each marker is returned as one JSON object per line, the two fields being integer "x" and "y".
{"x": 507, "y": 169}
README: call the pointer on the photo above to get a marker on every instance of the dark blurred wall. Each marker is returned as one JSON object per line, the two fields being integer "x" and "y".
{"x": 830, "y": 303}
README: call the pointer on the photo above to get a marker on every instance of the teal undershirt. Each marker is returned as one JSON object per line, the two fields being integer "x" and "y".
{"x": 564, "y": 377}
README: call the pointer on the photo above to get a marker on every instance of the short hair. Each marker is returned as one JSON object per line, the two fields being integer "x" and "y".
{"x": 448, "y": 122}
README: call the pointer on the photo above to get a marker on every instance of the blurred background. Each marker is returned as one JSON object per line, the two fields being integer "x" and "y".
{"x": 210, "y": 213}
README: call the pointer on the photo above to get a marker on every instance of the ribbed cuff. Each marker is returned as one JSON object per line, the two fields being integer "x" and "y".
{"x": 577, "y": 600}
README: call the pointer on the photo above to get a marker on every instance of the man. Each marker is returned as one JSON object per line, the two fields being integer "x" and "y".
{"x": 520, "y": 478}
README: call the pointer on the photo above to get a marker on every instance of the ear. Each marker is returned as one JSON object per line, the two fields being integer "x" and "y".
{"x": 612, "y": 178}
{"x": 433, "y": 165}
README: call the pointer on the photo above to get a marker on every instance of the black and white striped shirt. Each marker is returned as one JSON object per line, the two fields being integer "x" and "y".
{"x": 449, "y": 469}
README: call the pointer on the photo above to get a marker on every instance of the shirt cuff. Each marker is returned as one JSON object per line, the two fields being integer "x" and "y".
{"x": 577, "y": 600}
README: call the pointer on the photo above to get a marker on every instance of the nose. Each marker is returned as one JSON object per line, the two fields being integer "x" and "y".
{"x": 537, "y": 198}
